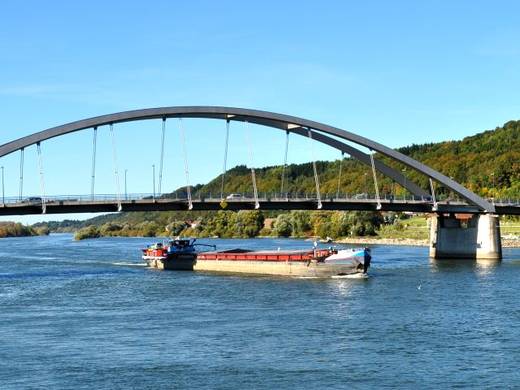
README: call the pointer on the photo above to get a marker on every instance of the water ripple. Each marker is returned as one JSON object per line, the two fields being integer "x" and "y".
{"x": 88, "y": 315}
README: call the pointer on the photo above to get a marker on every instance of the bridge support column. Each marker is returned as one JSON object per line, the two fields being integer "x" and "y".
{"x": 460, "y": 237}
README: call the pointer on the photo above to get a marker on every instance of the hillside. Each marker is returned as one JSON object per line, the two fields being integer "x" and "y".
{"x": 488, "y": 163}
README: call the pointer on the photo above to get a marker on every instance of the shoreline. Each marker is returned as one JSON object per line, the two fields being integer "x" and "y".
{"x": 383, "y": 241}
{"x": 506, "y": 243}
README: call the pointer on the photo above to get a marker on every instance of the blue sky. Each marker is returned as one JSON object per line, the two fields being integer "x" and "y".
{"x": 398, "y": 72}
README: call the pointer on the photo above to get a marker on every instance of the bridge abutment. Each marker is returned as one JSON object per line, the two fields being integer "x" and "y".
{"x": 465, "y": 236}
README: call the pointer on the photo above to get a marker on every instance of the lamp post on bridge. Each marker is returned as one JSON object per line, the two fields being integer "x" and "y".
{"x": 3, "y": 188}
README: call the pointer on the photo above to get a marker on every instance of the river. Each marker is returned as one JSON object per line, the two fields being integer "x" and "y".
{"x": 87, "y": 315}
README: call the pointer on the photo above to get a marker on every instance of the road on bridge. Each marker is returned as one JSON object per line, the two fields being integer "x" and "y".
{"x": 130, "y": 203}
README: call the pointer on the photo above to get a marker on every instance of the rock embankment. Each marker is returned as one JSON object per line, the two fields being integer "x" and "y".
{"x": 383, "y": 241}
{"x": 506, "y": 243}
{"x": 509, "y": 243}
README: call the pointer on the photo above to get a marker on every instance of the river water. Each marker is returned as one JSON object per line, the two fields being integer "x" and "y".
{"x": 87, "y": 315}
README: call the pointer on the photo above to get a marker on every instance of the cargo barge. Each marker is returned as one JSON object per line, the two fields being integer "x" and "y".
{"x": 182, "y": 254}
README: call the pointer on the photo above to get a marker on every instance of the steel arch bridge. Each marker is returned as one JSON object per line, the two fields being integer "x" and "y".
{"x": 424, "y": 201}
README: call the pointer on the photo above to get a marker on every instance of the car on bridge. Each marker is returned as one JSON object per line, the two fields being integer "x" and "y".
{"x": 234, "y": 196}
{"x": 32, "y": 199}
{"x": 360, "y": 196}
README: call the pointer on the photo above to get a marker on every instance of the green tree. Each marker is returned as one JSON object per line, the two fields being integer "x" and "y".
{"x": 340, "y": 224}
{"x": 283, "y": 226}
{"x": 249, "y": 223}
{"x": 148, "y": 229}
{"x": 176, "y": 227}
{"x": 110, "y": 229}
{"x": 87, "y": 232}
{"x": 300, "y": 222}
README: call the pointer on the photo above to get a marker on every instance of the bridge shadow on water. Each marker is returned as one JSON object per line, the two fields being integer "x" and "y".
{"x": 480, "y": 266}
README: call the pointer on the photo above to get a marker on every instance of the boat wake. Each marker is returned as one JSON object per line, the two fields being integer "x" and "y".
{"x": 348, "y": 276}
{"x": 351, "y": 276}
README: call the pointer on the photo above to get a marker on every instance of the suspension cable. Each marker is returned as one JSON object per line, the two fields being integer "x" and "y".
{"x": 3, "y": 187}
{"x": 339, "y": 175}
{"x": 253, "y": 176}
{"x": 375, "y": 179}
{"x": 433, "y": 195}
{"x": 93, "y": 174}
{"x": 162, "y": 154}
{"x": 224, "y": 169}
{"x": 21, "y": 173}
{"x": 116, "y": 173}
{"x": 186, "y": 170}
{"x": 316, "y": 179}
{"x": 284, "y": 167}
{"x": 42, "y": 183}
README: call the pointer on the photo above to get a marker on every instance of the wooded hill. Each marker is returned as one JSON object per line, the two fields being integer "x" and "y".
{"x": 488, "y": 163}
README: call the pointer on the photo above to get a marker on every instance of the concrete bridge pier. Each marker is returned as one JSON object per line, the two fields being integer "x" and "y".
{"x": 466, "y": 236}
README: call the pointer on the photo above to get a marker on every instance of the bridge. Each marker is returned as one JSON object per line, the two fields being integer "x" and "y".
{"x": 420, "y": 200}
{"x": 149, "y": 202}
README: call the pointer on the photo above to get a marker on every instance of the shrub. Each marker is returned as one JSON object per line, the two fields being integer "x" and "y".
{"x": 87, "y": 232}
{"x": 282, "y": 225}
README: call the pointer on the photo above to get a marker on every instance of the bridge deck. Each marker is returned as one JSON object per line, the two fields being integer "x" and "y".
{"x": 81, "y": 205}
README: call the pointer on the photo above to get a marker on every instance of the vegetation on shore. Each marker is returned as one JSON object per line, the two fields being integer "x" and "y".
{"x": 348, "y": 227}
{"x": 90, "y": 231}
{"x": 16, "y": 229}
{"x": 248, "y": 224}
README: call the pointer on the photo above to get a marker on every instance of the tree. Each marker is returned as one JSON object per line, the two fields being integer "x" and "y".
{"x": 282, "y": 225}
{"x": 87, "y": 232}
{"x": 249, "y": 223}
{"x": 300, "y": 222}
{"x": 175, "y": 228}
{"x": 110, "y": 229}
{"x": 148, "y": 229}
{"x": 340, "y": 224}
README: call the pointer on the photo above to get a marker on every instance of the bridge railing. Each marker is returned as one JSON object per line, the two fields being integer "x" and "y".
{"x": 236, "y": 197}
{"x": 74, "y": 198}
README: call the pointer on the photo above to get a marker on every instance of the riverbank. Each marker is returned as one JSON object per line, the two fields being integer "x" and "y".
{"x": 16, "y": 229}
{"x": 506, "y": 243}
{"x": 382, "y": 241}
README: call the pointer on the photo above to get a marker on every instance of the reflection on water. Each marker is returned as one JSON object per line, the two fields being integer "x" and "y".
{"x": 488, "y": 263}
{"x": 464, "y": 264}
{"x": 514, "y": 262}
{"x": 343, "y": 288}
{"x": 438, "y": 265}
